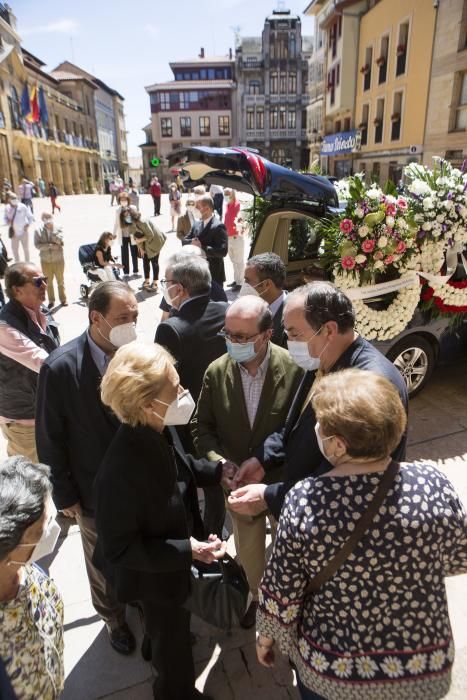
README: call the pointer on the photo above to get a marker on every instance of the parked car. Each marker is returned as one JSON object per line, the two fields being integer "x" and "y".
{"x": 288, "y": 227}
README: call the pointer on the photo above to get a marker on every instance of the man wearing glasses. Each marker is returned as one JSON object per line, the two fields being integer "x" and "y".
{"x": 245, "y": 393}
{"x": 28, "y": 334}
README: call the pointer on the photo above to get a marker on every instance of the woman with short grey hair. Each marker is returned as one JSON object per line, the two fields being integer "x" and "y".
{"x": 31, "y": 608}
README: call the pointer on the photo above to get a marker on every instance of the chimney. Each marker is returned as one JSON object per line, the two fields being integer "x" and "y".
{"x": 230, "y": 54}
{"x": 201, "y": 53}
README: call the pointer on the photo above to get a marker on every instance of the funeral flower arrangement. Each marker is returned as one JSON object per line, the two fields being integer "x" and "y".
{"x": 372, "y": 250}
{"x": 438, "y": 201}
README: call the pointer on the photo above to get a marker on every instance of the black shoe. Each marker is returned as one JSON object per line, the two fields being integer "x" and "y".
{"x": 249, "y": 619}
{"x": 122, "y": 639}
{"x": 51, "y": 304}
{"x": 236, "y": 287}
{"x": 232, "y": 284}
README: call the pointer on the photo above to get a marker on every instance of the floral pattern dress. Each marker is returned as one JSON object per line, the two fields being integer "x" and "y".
{"x": 31, "y": 638}
{"x": 379, "y": 628}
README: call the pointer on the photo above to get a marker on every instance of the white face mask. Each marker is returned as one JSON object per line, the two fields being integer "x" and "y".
{"x": 169, "y": 300}
{"x": 121, "y": 335}
{"x": 249, "y": 290}
{"x": 320, "y": 441}
{"x": 300, "y": 354}
{"x": 179, "y": 411}
{"x": 47, "y": 541}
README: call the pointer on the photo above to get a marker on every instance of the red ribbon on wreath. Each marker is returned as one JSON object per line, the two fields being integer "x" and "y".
{"x": 429, "y": 293}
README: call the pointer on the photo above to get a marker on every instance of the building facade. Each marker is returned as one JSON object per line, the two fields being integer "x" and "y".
{"x": 446, "y": 120}
{"x": 193, "y": 109}
{"x": 61, "y": 147}
{"x": 315, "y": 127}
{"x": 272, "y": 90}
{"x": 110, "y": 120}
{"x": 395, "y": 52}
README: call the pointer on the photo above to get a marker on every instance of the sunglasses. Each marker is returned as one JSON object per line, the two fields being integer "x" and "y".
{"x": 39, "y": 281}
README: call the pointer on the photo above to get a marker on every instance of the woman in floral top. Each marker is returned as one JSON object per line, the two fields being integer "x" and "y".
{"x": 379, "y": 628}
{"x": 31, "y": 608}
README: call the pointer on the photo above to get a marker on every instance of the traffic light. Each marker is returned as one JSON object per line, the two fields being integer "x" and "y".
{"x": 155, "y": 162}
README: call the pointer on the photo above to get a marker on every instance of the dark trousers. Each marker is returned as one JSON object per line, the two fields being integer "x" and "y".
{"x": 155, "y": 267}
{"x": 102, "y": 596}
{"x": 306, "y": 693}
{"x": 126, "y": 243}
{"x": 28, "y": 203}
{"x": 157, "y": 205}
{"x": 168, "y": 627}
{"x": 218, "y": 203}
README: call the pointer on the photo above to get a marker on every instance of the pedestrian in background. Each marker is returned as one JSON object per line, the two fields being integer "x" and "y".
{"x": 211, "y": 235}
{"x": 150, "y": 241}
{"x": 378, "y": 625}
{"x": 155, "y": 191}
{"x": 236, "y": 240}
{"x": 74, "y": 430}
{"x": 175, "y": 199}
{"x": 217, "y": 194}
{"x": 48, "y": 239}
{"x": 27, "y": 336}
{"x": 133, "y": 194}
{"x": 31, "y": 607}
{"x": 186, "y": 221}
{"x": 26, "y": 193}
{"x": 113, "y": 189}
{"x": 265, "y": 277}
{"x": 123, "y": 223}
{"x": 18, "y": 217}
{"x": 53, "y": 194}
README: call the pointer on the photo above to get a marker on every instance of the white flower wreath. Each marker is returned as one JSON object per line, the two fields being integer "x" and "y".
{"x": 383, "y": 325}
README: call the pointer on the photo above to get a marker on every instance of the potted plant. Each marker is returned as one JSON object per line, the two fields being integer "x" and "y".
{"x": 395, "y": 117}
{"x": 377, "y": 121}
{"x": 381, "y": 60}
{"x": 365, "y": 69}
{"x": 363, "y": 125}
{"x": 401, "y": 49}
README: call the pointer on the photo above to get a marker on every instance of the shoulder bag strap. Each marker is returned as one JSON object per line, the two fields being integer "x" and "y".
{"x": 361, "y": 528}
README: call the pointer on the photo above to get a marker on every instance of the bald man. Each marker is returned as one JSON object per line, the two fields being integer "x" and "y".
{"x": 245, "y": 393}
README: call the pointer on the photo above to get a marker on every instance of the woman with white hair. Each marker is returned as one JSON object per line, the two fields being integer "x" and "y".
{"x": 149, "y": 528}
{"x": 31, "y": 607}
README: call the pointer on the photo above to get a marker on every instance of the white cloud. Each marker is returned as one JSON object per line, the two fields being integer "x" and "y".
{"x": 61, "y": 26}
{"x": 151, "y": 29}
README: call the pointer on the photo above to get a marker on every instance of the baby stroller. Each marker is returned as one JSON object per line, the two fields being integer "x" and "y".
{"x": 86, "y": 254}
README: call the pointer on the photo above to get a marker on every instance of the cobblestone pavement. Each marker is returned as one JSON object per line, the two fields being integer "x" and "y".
{"x": 226, "y": 665}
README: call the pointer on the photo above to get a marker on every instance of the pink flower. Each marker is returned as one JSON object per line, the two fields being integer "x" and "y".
{"x": 401, "y": 247}
{"x": 348, "y": 262}
{"x": 391, "y": 209}
{"x": 346, "y": 226}
{"x": 389, "y": 259}
{"x": 402, "y": 203}
{"x": 379, "y": 255}
{"x": 368, "y": 245}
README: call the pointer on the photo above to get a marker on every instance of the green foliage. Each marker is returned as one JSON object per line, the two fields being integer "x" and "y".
{"x": 255, "y": 214}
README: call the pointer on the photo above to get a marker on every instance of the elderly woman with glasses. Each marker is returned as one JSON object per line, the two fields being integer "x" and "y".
{"x": 148, "y": 522}
{"x": 31, "y": 608}
{"x": 377, "y": 625}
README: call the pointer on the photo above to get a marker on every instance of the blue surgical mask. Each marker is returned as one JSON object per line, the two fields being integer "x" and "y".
{"x": 241, "y": 352}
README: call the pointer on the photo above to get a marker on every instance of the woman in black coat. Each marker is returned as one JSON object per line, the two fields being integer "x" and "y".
{"x": 147, "y": 516}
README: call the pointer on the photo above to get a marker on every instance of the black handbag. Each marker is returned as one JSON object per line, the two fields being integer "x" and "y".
{"x": 219, "y": 593}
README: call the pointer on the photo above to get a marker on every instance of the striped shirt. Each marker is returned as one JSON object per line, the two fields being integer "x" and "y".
{"x": 253, "y": 386}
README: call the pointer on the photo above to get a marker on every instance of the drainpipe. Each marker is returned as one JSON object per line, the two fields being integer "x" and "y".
{"x": 436, "y": 7}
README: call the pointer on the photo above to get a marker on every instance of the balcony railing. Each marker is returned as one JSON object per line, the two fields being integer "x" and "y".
{"x": 283, "y": 133}
{"x": 255, "y": 134}
{"x": 396, "y": 130}
{"x": 254, "y": 99}
{"x": 252, "y": 65}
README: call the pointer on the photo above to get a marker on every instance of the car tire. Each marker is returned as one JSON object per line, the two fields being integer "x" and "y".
{"x": 415, "y": 359}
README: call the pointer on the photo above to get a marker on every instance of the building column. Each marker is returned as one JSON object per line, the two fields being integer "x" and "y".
{"x": 66, "y": 175}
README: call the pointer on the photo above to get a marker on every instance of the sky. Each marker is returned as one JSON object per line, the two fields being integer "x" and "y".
{"x": 128, "y": 45}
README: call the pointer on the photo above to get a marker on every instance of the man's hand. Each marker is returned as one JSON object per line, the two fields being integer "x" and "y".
{"x": 72, "y": 511}
{"x": 229, "y": 469}
{"x": 209, "y": 551}
{"x": 265, "y": 651}
{"x": 248, "y": 500}
{"x": 196, "y": 241}
{"x": 250, "y": 472}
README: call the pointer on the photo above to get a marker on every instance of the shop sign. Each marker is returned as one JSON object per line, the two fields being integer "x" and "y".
{"x": 343, "y": 142}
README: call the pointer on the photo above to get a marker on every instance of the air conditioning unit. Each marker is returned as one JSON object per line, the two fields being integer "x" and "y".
{"x": 414, "y": 150}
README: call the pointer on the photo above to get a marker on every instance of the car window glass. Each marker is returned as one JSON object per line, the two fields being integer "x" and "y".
{"x": 303, "y": 239}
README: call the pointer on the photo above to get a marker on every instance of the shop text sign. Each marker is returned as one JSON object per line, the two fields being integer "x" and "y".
{"x": 343, "y": 142}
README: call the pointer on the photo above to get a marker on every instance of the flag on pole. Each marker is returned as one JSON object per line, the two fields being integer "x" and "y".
{"x": 34, "y": 114}
{"x": 25, "y": 102}
{"x": 44, "y": 114}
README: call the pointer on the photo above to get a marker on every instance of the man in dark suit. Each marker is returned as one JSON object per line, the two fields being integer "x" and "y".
{"x": 265, "y": 275}
{"x": 74, "y": 430}
{"x": 192, "y": 337}
{"x": 319, "y": 320}
{"x": 245, "y": 394}
{"x": 211, "y": 235}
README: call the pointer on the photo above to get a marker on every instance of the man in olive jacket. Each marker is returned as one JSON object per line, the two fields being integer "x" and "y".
{"x": 246, "y": 394}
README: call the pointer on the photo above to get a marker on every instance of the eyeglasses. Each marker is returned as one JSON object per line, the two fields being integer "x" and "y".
{"x": 39, "y": 281}
{"x": 166, "y": 283}
{"x": 237, "y": 338}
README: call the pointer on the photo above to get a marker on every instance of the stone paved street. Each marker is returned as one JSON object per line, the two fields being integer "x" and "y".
{"x": 226, "y": 665}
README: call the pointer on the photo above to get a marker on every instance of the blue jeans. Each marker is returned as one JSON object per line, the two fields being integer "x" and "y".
{"x": 306, "y": 693}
